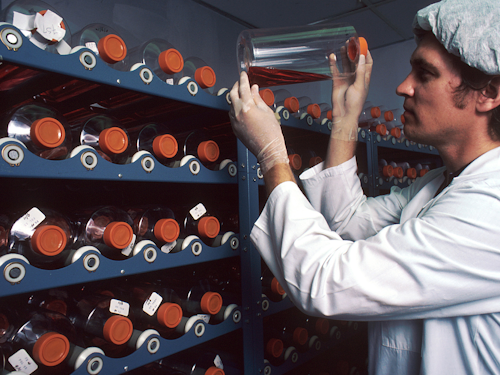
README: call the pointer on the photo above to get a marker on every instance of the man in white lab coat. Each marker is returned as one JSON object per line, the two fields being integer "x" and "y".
{"x": 421, "y": 264}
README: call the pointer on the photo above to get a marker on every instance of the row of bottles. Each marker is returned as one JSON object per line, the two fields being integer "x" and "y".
{"x": 49, "y": 239}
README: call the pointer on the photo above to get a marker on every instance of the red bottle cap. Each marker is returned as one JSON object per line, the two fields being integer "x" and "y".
{"x": 329, "y": 115}
{"x": 171, "y": 61}
{"x": 314, "y": 161}
{"x": 422, "y": 172}
{"x": 381, "y": 129}
{"x": 211, "y": 303}
{"x": 292, "y": 104}
{"x": 47, "y": 132}
{"x": 322, "y": 326}
{"x": 57, "y": 305}
{"x": 387, "y": 171}
{"x": 112, "y": 48}
{"x": 388, "y": 115}
{"x": 375, "y": 112}
{"x": 300, "y": 335}
{"x": 403, "y": 120}
{"x": 276, "y": 287}
{"x": 214, "y": 371}
{"x": 411, "y": 173}
{"x": 169, "y": 314}
{"x": 396, "y": 132}
{"x": 295, "y": 161}
{"x": 352, "y": 48}
{"x": 208, "y": 226}
{"x": 274, "y": 347}
{"x": 205, "y": 76}
{"x": 117, "y": 329}
{"x": 113, "y": 140}
{"x": 165, "y": 146}
{"x": 166, "y": 230}
{"x": 208, "y": 151}
{"x": 267, "y": 96}
{"x": 398, "y": 172}
{"x": 118, "y": 235}
{"x": 48, "y": 240}
{"x": 51, "y": 349}
{"x": 314, "y": 110}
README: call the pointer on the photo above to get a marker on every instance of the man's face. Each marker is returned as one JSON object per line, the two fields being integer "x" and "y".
{"x": 431, "y": 114}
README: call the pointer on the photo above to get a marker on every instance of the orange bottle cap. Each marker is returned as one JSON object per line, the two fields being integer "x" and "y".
{"x": 381, "y": 129}
{"x": 388, "y": 115}
{"x": 396, "y": 132}
{"x": 166, "y": 230}
{"x": 113, "y": 140}
{"x": 208, "y": 226}
{"x": 300, "y": 335}
{"x": 422, "y": 172}
{"x": 214, "y": 371}
{"x": 387, "y": 171}
{"x": 57, "y": 305}
{"x": 169, "y": 314}
{"x": 267, "y": 96}
{"x": 411, "y": 173}
{"x": 329, "y": 115}
{"x": 51, "y": 349}
{"x": 205, "y": 76}
{"x": 352, "y": 48}
{"x": 47, "y": 132}
{"x": 171, "y": 61}
{"x": 295, "y": 161}
{"x": 208, "y": 151}
{"x": 292, "y": 104}
{"x": 314, "y": 110}
{"x": 375, "y": 112}
{"x": 276, "y": 287}
{"x": 398, "y": 172}
{"x": 112, "y": 48}
{"x": 322, "y": 326}
{"x": 49, "y": 240}
{"x": 274, "y": 347}
{"x": 363, "y": 46}
{"x": 117, "y": 329}
{"x": 403, "y": 120}
{"x": 165, "y": 146}
{"x": 118, "y": 235}
{"x": 314, "y": 161}
{"x": 211, "y": 303}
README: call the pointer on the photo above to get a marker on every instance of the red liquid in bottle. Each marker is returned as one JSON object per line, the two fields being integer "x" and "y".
{"x": 266, "y": 77}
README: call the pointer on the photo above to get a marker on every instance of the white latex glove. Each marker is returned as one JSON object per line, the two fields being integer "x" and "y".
{"x": 256, "y": 126}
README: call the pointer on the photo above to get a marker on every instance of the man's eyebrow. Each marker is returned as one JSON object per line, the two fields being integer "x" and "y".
{"x": 420, "y": 62}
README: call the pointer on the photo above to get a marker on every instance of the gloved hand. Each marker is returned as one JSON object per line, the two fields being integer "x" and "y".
{"x": 348, "y": 98}
{"x": 256, "y": 126}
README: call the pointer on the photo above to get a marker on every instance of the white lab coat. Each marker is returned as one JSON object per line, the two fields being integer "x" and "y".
{"x": 424, "y": 270}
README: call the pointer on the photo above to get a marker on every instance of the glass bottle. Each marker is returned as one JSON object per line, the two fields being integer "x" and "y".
{"x": 199, "y": 222}
{"x": 158, "y": 140}
{"x": 283, "y": 98}
{"x": 307, "y": 107}
{"x": 198, "y": 143}
{"x": 197, "y": 69}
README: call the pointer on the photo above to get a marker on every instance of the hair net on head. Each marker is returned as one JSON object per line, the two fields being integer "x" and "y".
{"x": 469, "y": 29}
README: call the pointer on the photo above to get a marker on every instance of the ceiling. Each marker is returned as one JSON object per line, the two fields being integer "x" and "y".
{"x": 381, "y": 22}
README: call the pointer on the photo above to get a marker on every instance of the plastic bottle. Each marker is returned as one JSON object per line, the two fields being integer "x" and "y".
{"x": 43, "y": 236}
{"x": 368, "y": 114}
{"x": 408, "y": 171}
{"x": 326, "y": 114}
{"x": 160, "y": 56}
{"x": 41, "y": 24}
{"x": 157, "y": 139}
{"x": 104, "y": 42}
{"x": 294, "y": 159}
{"x": 422, "y": 169}
{"x": 397, "y": 171}
{"x": 385, "y": 169}
{"x": 287, "y": 55}
{"x": 41, "y": 128}
{"x": 199, "y": 144}
{"x": 271, "y": 287}
{"x": 310, "y": 158}
{"x": 107, "y": 136}
{"x": 283, "y": 98}
{"x": 199, "y": 222}
{"x": 307, "y": 107}
{"x": 197, "y": 69}
{"x": 287, "y": 331}
{"x": 107, "y": 228}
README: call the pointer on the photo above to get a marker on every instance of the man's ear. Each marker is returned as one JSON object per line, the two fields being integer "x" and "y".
{"x": 490, "y": 96}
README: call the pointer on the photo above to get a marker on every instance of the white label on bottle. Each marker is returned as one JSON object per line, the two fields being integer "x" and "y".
{"x": 23, "y": 21}
{"x": 169, "y": 81}
{"x": 128, "y": 250}
{"x": 92, "y": 46}
{"x": 119, "y": 307}
{"x": 198, "y": 211}
{"x": 22, "y": 361}
{"x": 49, "y": 26}
{"x": 218, "y": 362}
{"x": 204, "y": 317}
{"x": 168, "y": 247}
{"x": 152, "y": 304}
{"x": 30, "y": 221}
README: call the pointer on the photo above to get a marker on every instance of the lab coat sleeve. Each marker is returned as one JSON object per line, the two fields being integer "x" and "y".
{"x": 444, "y": 263}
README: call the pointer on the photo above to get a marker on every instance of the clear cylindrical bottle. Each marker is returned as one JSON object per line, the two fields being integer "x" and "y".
{"x": 267, "y": 96}
{"x": 107, "y": 135}
{"x": 107, "y": 228}
{"x": 408, "y": 171}
{"x": 310, "y": 158}
{"x": 385, "y": 169}
{"x": 199, "y": 222}
{"x": 271, "y": 287}
{"x": 397, "y": 171}
{"x": 326, "y": 114}
{"x": 307, "y": 107}
{"x": 105, "y": 42}
{"x": 199, "y": 144}
{"x": 41, "y": 23}
{"x": 294, "y": 159}
{"x": 422, "y": 169}
{"x": 157, "y": 139}
{"x": 287, "y": 55}
{"x": 206, "y": 363}
{"x": 287, "y": 331}
{"x": 43, "y": 236}
{"x": 160, "y": 56}
{"x": 197, "y": 69}
{"x": 283, "y": 99}
{"x": 41, "y": 128}
{"x": 368, "y": 115}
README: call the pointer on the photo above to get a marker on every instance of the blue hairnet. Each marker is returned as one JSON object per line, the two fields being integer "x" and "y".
{"x": 469, "y": 29}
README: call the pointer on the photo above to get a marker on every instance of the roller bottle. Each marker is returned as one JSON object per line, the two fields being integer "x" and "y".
{"x": 200, "y": 144}
{"x": 156, "y": 139}
{"x": 200, "y": 223}
{"x": 41, "y": 128}
{"x": 271, "y": 287}
{"x": 197, "y": 69}
{"x": 385, "y": 170}
{"x": 422, "y": 169}
{"x": 368, "y": 115}
{"x": 308, "y": 107}
{"x": 283, "y": 99}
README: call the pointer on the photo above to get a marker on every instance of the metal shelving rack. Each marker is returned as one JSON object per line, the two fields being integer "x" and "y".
{"x": 184, "y": 100}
